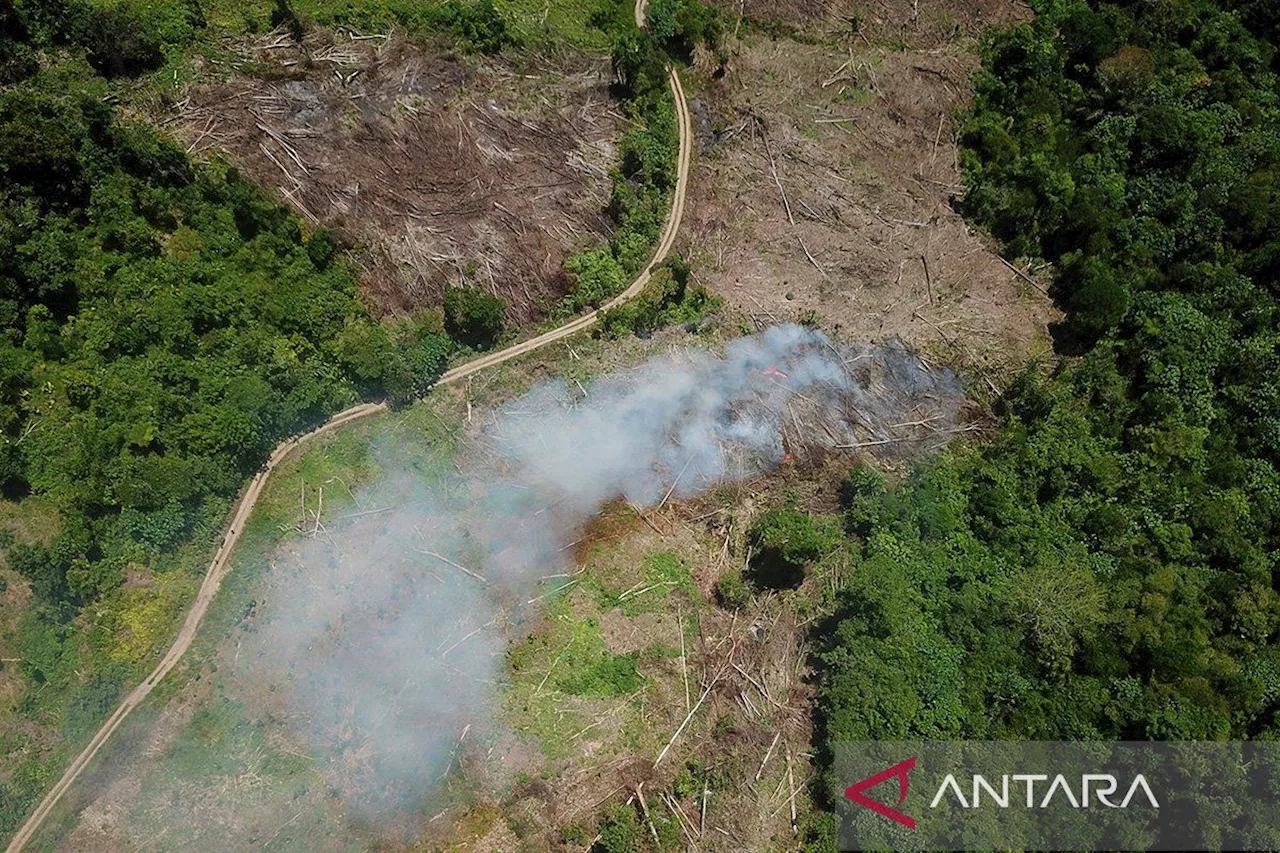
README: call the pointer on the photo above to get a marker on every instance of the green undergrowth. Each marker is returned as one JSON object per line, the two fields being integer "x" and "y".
{"x": 640, "y": 198}
{"x": 566, "y": 659}
{"x": 566, "y": 683}
{"x": 663, "y": 573}
{"x": 666, "y": 300}
{"x": 645, "y": 179}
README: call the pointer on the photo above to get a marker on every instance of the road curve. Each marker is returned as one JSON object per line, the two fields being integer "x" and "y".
{"x": 665, "y": 242}
{"x": 220, "y": 565}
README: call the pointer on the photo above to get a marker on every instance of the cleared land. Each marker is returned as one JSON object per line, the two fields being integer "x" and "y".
{"x": 224, "y": 761}
{"x": 439, "y": 170}
{"x": 828, "y": 181}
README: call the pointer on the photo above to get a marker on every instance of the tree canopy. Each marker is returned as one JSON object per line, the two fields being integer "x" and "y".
{"x": 1106, "y": 566}
{"x": 162, "y": 326}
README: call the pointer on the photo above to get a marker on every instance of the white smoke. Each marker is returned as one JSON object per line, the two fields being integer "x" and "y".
{"x": 391, "y": 636}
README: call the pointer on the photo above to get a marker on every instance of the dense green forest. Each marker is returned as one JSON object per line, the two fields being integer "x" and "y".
{"x": 163, "y": 326}
{"x": 1106, "y": 566}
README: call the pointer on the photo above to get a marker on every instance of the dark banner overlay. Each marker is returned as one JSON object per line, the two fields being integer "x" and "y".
{"x": 985, "y": 795}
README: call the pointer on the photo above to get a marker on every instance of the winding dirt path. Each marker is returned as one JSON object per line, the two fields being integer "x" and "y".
{"x": 220, "y": 565}
{"x": 665, "y": 242}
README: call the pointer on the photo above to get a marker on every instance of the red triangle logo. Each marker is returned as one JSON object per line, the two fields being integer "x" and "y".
{"x": 855, "y": 794}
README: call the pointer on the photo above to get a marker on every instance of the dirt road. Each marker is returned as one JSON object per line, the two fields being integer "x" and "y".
{"x": 664, "y": 246}
{"x": 220, "y": 564}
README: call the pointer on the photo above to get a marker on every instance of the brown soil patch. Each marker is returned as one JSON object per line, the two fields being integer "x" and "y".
{"x": 860, "y": 138}
{"x": 918, "y": 23}
{"x": 614, "y": 521}
{"x": 625, "y": 634}
{"x": 436, "y": 168}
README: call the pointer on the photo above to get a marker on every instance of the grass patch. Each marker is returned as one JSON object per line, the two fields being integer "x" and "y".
{"x": 663, "y": 572}
{"x": 566, "y": 659}
{"x": 212, "y": 742}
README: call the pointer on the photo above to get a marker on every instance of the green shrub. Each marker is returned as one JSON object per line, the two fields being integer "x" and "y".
{"x": 17, "y": 59}
{"x": 609, "y": 675}
{"x": 91, "y": 703}
{"x": 666, "y": 299}
{"x": 862, "y": 494}
{"x": 638, "y": 63}
{"x": 784, "y": 540}
{"x": 400, "y": 360}
{"x": 473, "y": 317}
{"x": 733, "y": 591}
{"x": 479, "y": 26}
{"x": 45, "y": 567}
{"x": 620, "y": 831}
{"x": 597, "y": 276}
{"x": 284, "y": 16}
{"x": 23, "y": 788}
{"x": 681, "y": 25}
{"x": 119, "y": 45}
{"x": 422, "y": 353}
{"x": 642, "y": 185}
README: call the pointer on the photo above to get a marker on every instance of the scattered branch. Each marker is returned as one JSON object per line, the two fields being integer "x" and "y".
{"x": 645, "y": 808}
{"x": 1022, "y": 275}
{"x": 676, "y": 482}
{"x": 767, "y": 755}
{"x": 808, "y": 255}
{"x": 773, "y": 168}
{"x": 443, "y": 559}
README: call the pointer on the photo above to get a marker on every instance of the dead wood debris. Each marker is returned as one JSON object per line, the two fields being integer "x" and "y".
{"x": 441, "y": 171}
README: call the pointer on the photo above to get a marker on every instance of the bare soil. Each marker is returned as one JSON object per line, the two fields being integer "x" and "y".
{"x": 438, "y": 169}
{"x": 920, "y": 24}
{"x": 828, "y": 180}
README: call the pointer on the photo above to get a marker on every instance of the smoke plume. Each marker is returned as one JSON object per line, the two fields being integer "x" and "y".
{"x": 391, "y": 637}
